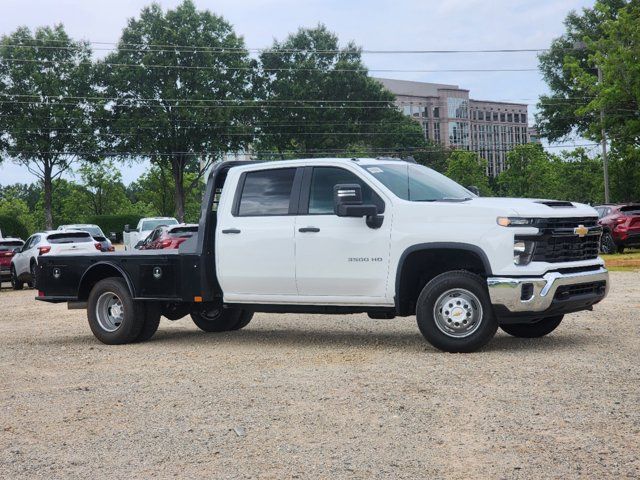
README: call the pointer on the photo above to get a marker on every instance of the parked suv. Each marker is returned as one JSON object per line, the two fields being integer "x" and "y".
{"x": 621, "y": 226}
{"x": 95, "y": 231}
{"x": 25, "y": 260}
{"x": 7, "y": 249}
{"x": 164, "y": 237}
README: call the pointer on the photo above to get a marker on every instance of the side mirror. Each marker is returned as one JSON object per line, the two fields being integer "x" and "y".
{"x": 113, "y": 237}
{"x": 347, "y": 202}
{"x": 473, "y": 189}
{"x": 17, "y": 250}
{"x": 127, "y": 229}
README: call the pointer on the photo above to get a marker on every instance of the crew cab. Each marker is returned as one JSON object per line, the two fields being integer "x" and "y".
{"x": 385, "y": 237}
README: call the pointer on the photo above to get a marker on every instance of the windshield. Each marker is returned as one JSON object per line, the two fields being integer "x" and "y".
{"x": 417, "y": 183}
{"x": 182, "y": 232}
{"x": 152, "y": 224}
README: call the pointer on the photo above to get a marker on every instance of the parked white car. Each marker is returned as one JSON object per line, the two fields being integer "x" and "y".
{"x": 24, "y": 261}
{"x": 131, "y": 238}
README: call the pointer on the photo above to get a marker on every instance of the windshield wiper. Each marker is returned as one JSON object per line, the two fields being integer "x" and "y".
{"x": 446, "y": 199}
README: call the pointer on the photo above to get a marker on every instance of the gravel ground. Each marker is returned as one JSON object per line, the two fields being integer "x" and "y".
{"x": 296, "y": 396}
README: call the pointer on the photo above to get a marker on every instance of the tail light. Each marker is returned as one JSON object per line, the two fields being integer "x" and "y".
{"x": 621, "y": 220}
{"x": 111, "y": 249}
{"x": 44, "y": 250}
{"x": 165, "y": 243}
{"x": 98, "y": 246}
{"x": 6, "y": 254}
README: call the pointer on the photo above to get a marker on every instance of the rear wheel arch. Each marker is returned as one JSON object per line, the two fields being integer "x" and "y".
{"x": 100, "y": 271}
{"x": 421, "y": 263}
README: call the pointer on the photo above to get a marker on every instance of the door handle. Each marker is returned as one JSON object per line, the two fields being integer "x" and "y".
{"x": 231, "y": 230}
{"x": 309, "y": 229}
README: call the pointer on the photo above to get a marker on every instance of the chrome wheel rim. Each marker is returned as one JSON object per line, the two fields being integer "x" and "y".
{"x": 109, "y": 312}
{"x": 457, "y": 313}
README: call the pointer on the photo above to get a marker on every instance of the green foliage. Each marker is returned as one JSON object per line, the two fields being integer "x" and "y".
{"x": 12, "y": 227}
{"x": 529, "y": 173}
{"x": 42, "y": 129}
{"x": 172, "y": 115}
{"x": 155, "y": 189}
{"x": 309, "y": 70}
{"x": 103, "y": 188}
{"x": 469, "y": 170}
{"x": 561, "y": 112}
{"x": 113, "y": 223}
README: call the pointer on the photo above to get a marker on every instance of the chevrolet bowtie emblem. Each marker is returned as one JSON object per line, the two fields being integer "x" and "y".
{"x": 581, "y": 230}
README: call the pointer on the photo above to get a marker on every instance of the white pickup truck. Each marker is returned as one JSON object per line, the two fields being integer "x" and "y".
{"x": 381, "y": 236}
{"x": 133, "y": 238}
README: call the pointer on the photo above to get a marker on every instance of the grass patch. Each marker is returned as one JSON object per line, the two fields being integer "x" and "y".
{"x": 629, "y": 261}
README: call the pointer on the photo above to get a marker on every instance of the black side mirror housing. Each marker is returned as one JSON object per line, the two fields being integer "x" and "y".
{"x": 127, "y": 229}
{"x": 473, "y": 189}
{"x": 347, "y": 202}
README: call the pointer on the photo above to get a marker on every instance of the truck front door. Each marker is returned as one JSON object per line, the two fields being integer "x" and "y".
{"x": 255, "y": 252}
{"x": 339, "y": 260}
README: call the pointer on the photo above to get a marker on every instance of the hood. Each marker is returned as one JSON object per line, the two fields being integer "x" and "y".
{"x": 532, "y": 207}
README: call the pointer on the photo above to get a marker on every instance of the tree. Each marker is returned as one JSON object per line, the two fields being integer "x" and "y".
{"x": 45, "y": 111}
{"x": 155, "y": 188}
{"x": 103, "y": 188}
{"x": 529, "y": 173}
{"x": 318, "y": 100}
{"x": 469, "y": 170}
{"x": 570, "y": 56}
{"x": 175, "y": 91}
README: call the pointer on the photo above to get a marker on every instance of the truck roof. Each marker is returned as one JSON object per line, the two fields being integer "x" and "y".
{"x": 305, "y": 161}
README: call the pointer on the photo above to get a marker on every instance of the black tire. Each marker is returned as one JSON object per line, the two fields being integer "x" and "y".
{"x": 245, "y": 319}
{"x": 482, "y": 324}
{"x": 175, "y": 311}
{"x": 16, "y": 284}
{"x": 151, "y": 322}
{"x": 131, "y": 314}
{"x": 533, "y": 330}
{"x": 32, "y": 274}
{"x": 620, "y": 248}
{"x": 607, "y": 245}
{"x": 218, "y": 320}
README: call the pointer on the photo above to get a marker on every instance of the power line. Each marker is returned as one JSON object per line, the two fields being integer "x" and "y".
{"x": 171, "y": 48}
{"x": 292, "y": 69}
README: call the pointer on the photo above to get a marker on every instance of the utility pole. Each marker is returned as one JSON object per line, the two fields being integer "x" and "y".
{"x": 582, "y": 46}
{"x": 603, "y": 134}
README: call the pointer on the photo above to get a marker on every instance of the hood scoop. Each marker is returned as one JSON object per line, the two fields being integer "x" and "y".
{"x": 556, "y": 204}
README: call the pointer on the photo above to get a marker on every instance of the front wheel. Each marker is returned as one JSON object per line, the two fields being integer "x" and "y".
{"x": 114, "y": 318}
{"x": 537, "y": 329}
{"x": 221, "y": 319}
{"x": 454, "y": 312}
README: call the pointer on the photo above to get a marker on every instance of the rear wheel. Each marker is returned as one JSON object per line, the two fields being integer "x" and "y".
{"x": 221, "y": 319}
{"x": 537, "y": 329}
{"x": 607, "y": 245}
{"x": 32, "y": 272}
{"x": 114, "y": 318}
{"x": 16, "y": 284}
{"x": 454, "y": 312}
{"x": 151, "y": 322}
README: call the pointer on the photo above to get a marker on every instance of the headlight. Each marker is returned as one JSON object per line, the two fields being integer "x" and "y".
{"x": 514, "y": 221}
{"x": 522, "y": 252}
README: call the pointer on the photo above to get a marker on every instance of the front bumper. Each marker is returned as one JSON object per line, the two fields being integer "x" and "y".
{"x": 531, "y": 295}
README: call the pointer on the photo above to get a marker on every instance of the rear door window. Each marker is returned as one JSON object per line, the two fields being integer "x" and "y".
{"x": 267, "y": 192}
{"x": 69, "y": 237}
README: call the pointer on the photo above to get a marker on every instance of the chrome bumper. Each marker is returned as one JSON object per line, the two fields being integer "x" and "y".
{"x": 508, "y": 291}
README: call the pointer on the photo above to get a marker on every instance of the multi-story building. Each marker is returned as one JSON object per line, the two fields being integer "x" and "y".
{"x": 449, "y": 117}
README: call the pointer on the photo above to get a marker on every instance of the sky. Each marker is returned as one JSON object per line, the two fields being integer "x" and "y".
{"x": 371, "y": 24}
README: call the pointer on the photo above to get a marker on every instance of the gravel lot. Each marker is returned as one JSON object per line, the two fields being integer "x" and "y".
{"x": 295, "y": 396}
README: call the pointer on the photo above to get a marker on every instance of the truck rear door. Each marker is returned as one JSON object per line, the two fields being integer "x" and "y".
{"x": 255, "y": 254}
